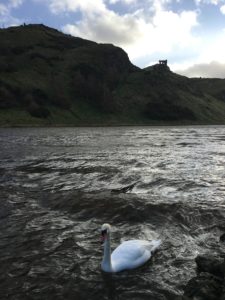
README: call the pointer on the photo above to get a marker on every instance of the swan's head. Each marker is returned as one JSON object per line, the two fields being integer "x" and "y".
{"x": 105, "y": 230}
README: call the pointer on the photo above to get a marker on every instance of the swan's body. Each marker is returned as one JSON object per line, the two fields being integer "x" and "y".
{"x": 128, "y": 255}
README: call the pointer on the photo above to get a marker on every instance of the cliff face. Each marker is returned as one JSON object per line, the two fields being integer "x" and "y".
{"x": 47, "y": 77}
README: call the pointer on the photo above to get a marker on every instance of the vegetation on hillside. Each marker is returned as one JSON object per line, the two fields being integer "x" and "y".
{"x": 47, "y": 78}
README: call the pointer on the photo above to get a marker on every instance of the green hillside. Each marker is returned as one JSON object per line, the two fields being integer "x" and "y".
{"x": 49, "y": 78}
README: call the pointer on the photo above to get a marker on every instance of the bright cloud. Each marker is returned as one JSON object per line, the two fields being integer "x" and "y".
{"x": 141, "y": 33}
{"x": 213, "y": 69}
{"x": 210, "y": 61}
{"x": 103, "y": 29}
{"x": 215, "y": 49}
{"x": 222, "y": 9}
{"x": 168, "y": 32}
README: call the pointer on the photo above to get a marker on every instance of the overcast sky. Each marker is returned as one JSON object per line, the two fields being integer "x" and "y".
{"x": 189, "y": 33}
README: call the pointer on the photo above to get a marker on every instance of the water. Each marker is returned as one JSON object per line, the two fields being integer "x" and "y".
{"x": 59, "y": 185}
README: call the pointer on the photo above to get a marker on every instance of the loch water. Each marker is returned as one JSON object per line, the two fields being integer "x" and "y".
{"x": 59, "y": 185}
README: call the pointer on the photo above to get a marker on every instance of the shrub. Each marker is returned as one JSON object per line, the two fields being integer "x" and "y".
{"x": 38, "y": 111}
{"x": 168, "y": 112}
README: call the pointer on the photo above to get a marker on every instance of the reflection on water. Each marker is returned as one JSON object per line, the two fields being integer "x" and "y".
{"x": 59, "y": 185}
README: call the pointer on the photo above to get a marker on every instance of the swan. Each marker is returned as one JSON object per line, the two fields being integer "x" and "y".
{"x": 128, "y": 255}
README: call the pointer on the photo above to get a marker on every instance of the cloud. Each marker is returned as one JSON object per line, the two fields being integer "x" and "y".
{"x": 98, "y": 22}
{"x": 214, "y": 2}
{"x": 15, "y": 3}
{"x": 148, "y": 31}
{"x": 3, "y": 10}
{"x": 7, "y": 18}
{"x": 122, "y": 1}
{"x": 222, "y": 9}
{"x": 85, "y": 6}
{"x": 61, "y": 6}
{"x": 127, "y": 30}
{"x": 167, "y": 33}
{"x": 142, "y": 32}
{"x": 213, "y": 69}
{"x": 205, "y": 64}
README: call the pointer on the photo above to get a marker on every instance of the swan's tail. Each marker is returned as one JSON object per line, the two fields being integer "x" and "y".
{"x": 155, "y": 245}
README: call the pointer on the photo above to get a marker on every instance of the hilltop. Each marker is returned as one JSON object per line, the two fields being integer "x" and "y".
{"x": 50, "y": 78}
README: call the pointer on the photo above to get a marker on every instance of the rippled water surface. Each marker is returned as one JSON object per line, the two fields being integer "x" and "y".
{"x": 59, "y": 185}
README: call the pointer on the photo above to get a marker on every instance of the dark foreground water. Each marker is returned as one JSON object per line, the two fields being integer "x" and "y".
{"x": 57, "y": 187}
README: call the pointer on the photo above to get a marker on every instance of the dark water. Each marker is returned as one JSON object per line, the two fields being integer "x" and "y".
{"x": 57, "y": 187}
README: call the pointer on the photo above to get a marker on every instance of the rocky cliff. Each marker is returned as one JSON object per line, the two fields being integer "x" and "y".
{"x": 49, "y": 78}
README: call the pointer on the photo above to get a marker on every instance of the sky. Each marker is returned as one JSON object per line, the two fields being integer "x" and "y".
{"x": 190, "y": 34}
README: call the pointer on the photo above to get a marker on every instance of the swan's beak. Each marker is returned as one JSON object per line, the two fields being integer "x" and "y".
{"x": 103, "y": 236}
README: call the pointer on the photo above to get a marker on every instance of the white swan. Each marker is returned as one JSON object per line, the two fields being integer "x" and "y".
{"x": 128, "y": 255}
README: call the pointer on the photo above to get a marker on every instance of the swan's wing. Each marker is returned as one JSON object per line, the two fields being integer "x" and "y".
{"x": 136, "y": 247}
{"x": 131, "y": 254}
{"x": 129, "y": 250}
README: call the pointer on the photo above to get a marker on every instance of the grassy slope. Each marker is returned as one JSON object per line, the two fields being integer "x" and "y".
{"x": 201, "y": 101}
{"x": 48, "y": 78}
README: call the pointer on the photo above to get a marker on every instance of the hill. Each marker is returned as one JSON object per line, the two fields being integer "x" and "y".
{"x": 49, "y": 78}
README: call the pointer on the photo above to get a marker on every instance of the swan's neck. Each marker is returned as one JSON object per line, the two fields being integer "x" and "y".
{"x": 106, "y": 262}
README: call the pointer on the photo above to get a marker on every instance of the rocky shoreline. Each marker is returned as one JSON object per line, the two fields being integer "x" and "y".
{"x": 209, "y": 282}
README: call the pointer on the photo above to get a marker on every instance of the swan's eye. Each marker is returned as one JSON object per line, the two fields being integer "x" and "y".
{"x": 104, "y": 232}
